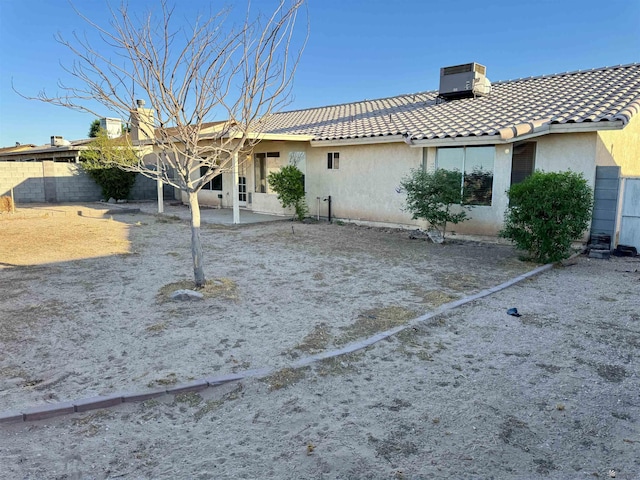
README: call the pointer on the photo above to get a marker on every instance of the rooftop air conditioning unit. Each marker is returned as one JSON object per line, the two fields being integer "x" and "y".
{"x": 461, "y": 81}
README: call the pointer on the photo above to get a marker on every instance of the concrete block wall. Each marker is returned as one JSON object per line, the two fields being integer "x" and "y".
{"x": 144, "y": 189}
{"x": 74, "y": 185}
{"x": 26, "y": 179}
{"x": 41, "y": 182}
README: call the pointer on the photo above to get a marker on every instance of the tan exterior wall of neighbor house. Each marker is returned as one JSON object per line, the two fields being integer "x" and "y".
{"x": 621, "y": 147}
{"x": 363, "y": 188}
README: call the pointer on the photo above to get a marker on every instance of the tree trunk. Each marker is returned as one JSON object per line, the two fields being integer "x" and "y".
{"x": 196, "y": 245}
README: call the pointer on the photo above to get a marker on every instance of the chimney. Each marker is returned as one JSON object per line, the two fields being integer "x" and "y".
{"x": 142, "y": 122}
{"x": 57, "y": 141}
{"x": 113, "y": 126}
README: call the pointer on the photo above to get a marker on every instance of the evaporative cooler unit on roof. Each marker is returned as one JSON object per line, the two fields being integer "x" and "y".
{"x": 462, "y": 81}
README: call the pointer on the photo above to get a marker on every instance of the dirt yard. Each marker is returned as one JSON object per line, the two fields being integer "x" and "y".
{"x": 472, "y": 393}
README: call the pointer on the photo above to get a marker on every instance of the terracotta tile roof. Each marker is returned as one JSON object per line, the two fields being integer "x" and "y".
{"x": 598, "y": 95}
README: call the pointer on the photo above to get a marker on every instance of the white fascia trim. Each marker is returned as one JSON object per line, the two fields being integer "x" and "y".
{"x": 358, "y": 141}
{"x": 586, "y": 126}
{"x": 457, "y": 141}
{"x": 279, "y": 136}
{"x": 496, "y": 140}
{"x": 262, "y": 136}
{"x": 571, "y": 128}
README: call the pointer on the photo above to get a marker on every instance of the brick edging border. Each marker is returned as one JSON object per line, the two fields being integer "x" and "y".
{"x": 42, "y": 412}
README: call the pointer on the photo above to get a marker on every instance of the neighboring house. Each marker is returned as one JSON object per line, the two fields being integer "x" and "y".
{"x": 52, "y": 173}
{"x": 498, "y": 134}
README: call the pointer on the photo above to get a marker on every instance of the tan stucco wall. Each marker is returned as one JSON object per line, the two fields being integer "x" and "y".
{"x": 621, "y": 147}
{"x": 268, "y": 202}
{"x": 559, "y": 152}
{"x": 568, "y": 151}
{"x": 364, "y": 186}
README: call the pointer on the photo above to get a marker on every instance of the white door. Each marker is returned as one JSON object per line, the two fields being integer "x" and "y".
{"x": 242, "y": 190}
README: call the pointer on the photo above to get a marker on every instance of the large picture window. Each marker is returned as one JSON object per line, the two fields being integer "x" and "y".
{"x": 476, "y": 165}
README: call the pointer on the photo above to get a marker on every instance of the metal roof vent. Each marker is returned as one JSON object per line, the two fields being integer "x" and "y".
{"x": 463, "y": 81}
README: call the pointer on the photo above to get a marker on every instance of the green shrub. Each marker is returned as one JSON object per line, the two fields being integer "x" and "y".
{"x": 288, "y": 183}
{"x": 94, "y": 129}
{"x": 547, "y": 212}
{"x": 104, "y": 162}
{"x": 430, "y": 196}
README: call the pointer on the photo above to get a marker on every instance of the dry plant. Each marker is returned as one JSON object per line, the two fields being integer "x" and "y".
{"x": 223, "y": 288}
{"x": 316, "y": 341}
{"x": 209, "y": 84}
{"x": 340, "y": 365}
{"x": 214, "y": 404}
{"x": 284, "y": 377}
{"x": 374, "y": 321}
{"x": 6, "y": 204}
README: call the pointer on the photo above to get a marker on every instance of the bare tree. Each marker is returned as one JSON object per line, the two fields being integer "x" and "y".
{"x": 191, "y": 77}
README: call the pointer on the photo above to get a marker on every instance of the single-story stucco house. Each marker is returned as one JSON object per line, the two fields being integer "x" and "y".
{"x": 358, "y": 153}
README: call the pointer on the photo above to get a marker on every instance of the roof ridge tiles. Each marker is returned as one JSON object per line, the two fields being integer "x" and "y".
{"x": 564, "y": 74}
{"x": 366, "y": 100}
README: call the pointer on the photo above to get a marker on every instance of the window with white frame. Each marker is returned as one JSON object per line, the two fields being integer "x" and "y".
{"x": 476, "y": 166}
{"x": 333, "y": 160}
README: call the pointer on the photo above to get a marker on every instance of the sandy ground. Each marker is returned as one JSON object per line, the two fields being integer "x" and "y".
{"x": 472, "y": 393}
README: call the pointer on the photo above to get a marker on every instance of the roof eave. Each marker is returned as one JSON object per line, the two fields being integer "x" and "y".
{"x": 279, "y": 136}
{"x": 457, "y": 141}
{"x": 339, "y": 142}
{"x": 497, "y": 139}
{"x": 587, "y": 126}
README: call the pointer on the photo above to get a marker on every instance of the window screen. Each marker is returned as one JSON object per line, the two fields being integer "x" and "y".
{"x": 522, "y": 161}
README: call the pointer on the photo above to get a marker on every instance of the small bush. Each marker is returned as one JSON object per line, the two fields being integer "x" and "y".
{"x": 6, "y": 204}
{"x": 430, "y": 195}
{"x": 547, "y": 212}
{"x": 288, "y": 183}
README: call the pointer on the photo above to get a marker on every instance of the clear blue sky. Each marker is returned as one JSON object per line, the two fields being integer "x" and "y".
{"x": 357, "y": 48}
